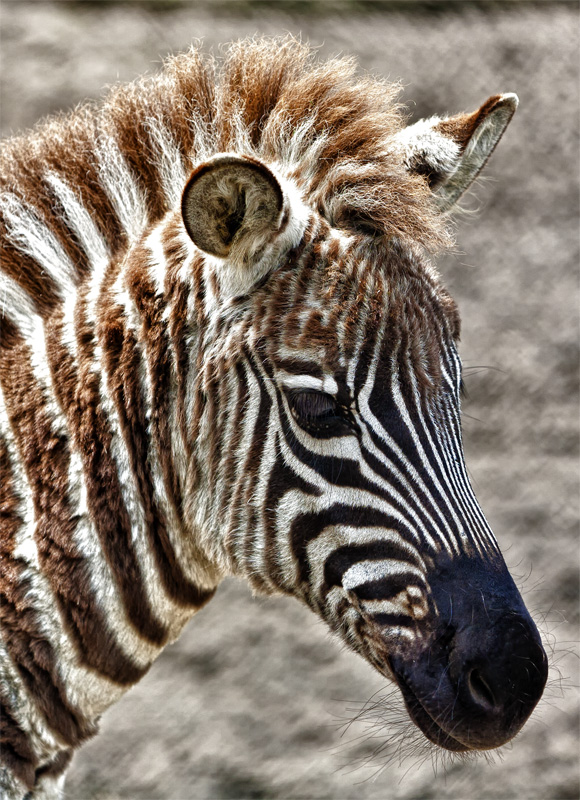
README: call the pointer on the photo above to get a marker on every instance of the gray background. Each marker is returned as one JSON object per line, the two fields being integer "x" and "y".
{"x": 249, "y": 702}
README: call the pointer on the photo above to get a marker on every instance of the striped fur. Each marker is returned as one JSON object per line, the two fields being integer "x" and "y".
{"x": 160, "y": 427}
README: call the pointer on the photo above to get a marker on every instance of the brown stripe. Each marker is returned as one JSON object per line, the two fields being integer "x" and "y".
{"x": 234, "y": 456}
{"x": 29, "y": 275}
{"x": 123, "y": 358}
{"x": 218, "y": 409}
{"x": 214, "y": 431}
{"x": 179, "y": 329}
{"x": 31, "y": 653}
{"x": 177, "y": 297}
{"x": 200, "y": 291}
{"x": 9, "y": 332}
{"x": 78, "y": 392}
{"x": 272, "y": 305}
{"x": 161, "y": 375}
{"x": 16, "y": 754}
{"x": 45, "y": 456}
{"x": 356, "y": 313}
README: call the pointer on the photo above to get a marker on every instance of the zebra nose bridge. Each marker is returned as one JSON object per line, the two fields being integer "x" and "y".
{"x": 445, "y": 516}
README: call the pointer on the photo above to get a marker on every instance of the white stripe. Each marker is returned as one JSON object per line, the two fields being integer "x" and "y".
{"x": 16, "y": 305}
{"x": 157, "y": 262}
{"x": 170, "y": 165}
{"x": 298, "y": 145}
{"x": 24, "y": 545}
{"x": 326, "y": 384}
{"x": 411, "y": 473}
{"x": 69, "y": 335}
{"x": 43, "y": 377}
{"x": 479, "y": 530}
{"x": 367, "y": 571}
{"x": 452, "y": 436}
{"x": 80, "y": 222}
{"x": 457, "y": 493}
{"x": 121, "y": 188}
{"x": 33, "y": 237}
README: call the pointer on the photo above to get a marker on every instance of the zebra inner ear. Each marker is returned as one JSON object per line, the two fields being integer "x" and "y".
{"x": 451, "y": 152}
{"x": 232, "y": 205}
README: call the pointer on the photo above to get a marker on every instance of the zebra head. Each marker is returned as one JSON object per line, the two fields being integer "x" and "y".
{"x": 326, "y": 415}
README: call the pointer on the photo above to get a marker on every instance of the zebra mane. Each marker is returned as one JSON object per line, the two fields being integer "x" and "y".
{"x": 320, "y": 124}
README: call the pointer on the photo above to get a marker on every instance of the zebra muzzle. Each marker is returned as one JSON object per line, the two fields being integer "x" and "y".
{"x": 472, "y": 683}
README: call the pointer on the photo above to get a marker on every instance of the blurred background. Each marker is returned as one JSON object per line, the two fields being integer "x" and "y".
{"x": 250, "y": 702}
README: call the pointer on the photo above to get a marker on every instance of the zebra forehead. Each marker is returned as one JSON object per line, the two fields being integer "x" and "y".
{"x": 321, "y": 317}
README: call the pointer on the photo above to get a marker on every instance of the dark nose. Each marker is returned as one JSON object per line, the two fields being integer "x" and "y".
{"x": 499, "y": 673}
{"x": 474, "y": 686}
{"x": 473, "y": 680}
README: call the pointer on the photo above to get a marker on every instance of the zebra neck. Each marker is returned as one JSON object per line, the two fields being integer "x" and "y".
{"x": 98, "y": 544}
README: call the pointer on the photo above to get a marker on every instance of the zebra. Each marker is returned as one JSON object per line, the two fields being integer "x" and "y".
{"x": 225, "y": 350}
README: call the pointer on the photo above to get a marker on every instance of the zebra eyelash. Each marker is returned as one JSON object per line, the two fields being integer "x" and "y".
{"x": 313, "y": 406}
{"x": 320, "y": 414}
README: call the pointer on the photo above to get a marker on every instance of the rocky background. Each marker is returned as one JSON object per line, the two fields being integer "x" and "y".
{"x": 252, "y": 701}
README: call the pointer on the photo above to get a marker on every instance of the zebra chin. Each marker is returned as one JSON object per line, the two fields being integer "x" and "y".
{"x": 471, "y": 676}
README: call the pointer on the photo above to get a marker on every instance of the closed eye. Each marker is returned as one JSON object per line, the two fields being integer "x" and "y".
{"x": 320, "y": 414}
{"x": 310, "y": 406}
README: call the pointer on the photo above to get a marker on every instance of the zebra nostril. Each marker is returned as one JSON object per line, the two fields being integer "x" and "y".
{"x": 480, "y": 690}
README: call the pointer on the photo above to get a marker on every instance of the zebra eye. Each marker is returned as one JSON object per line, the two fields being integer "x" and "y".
{"x": 311, "y": 407}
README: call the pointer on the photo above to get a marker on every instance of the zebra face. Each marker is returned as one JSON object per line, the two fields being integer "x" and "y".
{"x": 332, "y": 429}
{"x": 386, "y": 539}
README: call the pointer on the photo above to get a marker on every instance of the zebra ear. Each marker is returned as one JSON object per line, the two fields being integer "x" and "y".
{"x": 232, "y": 207}
{"x": 450, "y": 152}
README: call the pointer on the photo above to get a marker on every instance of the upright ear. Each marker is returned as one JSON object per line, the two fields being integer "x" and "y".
{"x": 235, "y": 209}
{"x": 232, "y": 203}
{"x": 450, "y": 152}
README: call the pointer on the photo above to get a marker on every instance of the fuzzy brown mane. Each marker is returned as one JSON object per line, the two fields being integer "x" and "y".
{"x": 316, "y": 121}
